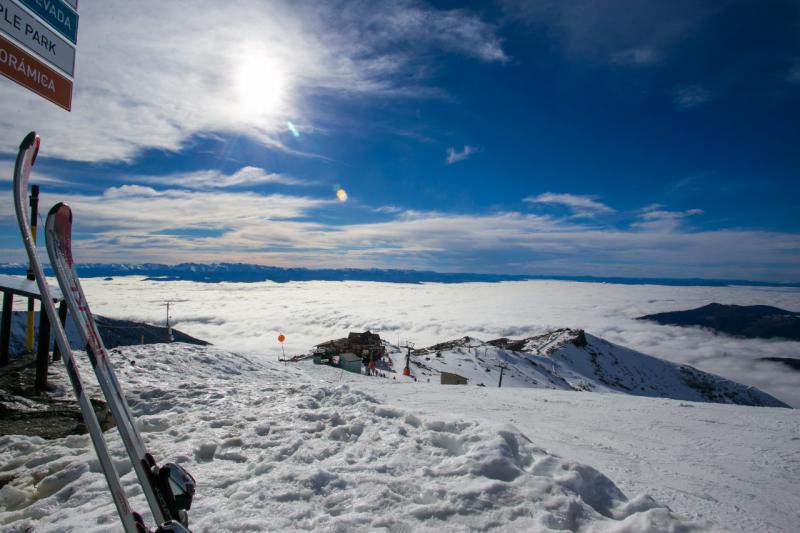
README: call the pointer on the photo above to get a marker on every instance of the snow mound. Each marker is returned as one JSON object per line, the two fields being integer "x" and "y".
{"x": 273, "y": 448}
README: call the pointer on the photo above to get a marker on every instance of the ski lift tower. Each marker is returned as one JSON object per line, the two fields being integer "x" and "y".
{"x": 407, "y": 370}
{"x": 170, "y": 338}
{"x": 471, "y": 347}
{"x": 502, "y": 366}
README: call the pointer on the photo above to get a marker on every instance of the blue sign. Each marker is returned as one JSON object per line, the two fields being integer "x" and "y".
{"x": 58, "y": 15}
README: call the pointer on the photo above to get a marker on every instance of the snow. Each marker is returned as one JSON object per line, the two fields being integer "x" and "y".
{"x": 737, "y": 466}
{"x": 20, "y": 284}
{"x": 292, "y": 447}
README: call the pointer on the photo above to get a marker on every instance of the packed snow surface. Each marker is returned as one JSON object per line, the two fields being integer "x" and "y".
{"x": 276, "y": 448}
{"x": 293, "y": 447}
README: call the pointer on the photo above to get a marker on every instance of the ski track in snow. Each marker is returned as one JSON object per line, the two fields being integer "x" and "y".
{"x": 283, "y": 448}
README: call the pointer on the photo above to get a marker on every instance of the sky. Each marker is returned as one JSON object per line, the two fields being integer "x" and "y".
{"x": 640, "y": 138}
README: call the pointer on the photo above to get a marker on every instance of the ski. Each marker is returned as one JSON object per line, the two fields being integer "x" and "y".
{"x": 26, "y": 158}
{"x": 169, "y": 488}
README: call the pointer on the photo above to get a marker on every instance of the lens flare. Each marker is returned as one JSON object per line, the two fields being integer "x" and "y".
{"x": 293, "y": 129}
{"x": 341, "y": 194}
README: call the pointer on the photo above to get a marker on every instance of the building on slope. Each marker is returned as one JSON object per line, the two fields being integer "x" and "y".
{"x": 365, "y": 348}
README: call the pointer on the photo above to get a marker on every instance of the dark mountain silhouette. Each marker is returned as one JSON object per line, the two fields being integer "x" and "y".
{"x": 114, "y": 333}
{"x": 750, "y": 321}
{"x": 788, "y": 361}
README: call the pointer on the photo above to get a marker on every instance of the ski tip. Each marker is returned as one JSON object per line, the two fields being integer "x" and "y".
{"x": 31, "y": 139}
{"x": 57, "y": 209}
{"x": 28, "y": 141}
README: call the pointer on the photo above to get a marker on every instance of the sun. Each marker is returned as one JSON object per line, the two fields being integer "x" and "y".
{"x": 261, "y": 84}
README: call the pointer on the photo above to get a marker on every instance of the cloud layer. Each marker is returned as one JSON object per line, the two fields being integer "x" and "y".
{"x": 214, "y": 179}
{"x": 580, "y": 205}
{"x": 248, "y": 316}
{"x": 454, "y": 155}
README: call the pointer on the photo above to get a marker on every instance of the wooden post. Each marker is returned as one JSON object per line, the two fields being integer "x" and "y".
{"x": 5, "y": 327}
{"x": 43, "y": 349}
{"x": 62, "y": 317}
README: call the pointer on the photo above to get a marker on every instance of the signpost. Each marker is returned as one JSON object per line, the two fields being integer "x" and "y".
{"x": 29, "y": 72}
{"x": 26, "y": 31}
{"x": 58, "y": 15}
{"x": 36, "y": 37}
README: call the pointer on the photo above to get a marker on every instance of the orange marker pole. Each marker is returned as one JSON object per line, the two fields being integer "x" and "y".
{"x": 281, "y": 338}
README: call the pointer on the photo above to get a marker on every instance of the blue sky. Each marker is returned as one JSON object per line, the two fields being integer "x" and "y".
{"x": 622, "y": 138}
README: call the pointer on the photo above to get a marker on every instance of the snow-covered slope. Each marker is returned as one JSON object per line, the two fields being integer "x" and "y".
{"x": 736, "y": 466}
{"x": 276, "y": 448}
{"x": 574, "y": 360}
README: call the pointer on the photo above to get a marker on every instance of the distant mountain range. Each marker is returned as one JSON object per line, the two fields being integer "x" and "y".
{"x": 750, "y": 321}
{"x": 569, "y": 359}
{"x": 242, "y": 272}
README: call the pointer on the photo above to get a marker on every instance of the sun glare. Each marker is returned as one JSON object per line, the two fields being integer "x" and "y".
{"x": 261, "y": 84}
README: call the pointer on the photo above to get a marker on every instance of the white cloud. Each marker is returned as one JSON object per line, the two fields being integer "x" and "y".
{"x": 656, "y": 219}
{"x": 583, "y": 206}
{"x": 215, "y": 179}
{"x": 689, "y": 96}
{"x": 152, "y": 74}
{"x": 454, "y": 155}
{"x": 389, "y": 209}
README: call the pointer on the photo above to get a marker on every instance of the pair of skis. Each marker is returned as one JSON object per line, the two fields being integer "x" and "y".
{"x": 169, "y": 488}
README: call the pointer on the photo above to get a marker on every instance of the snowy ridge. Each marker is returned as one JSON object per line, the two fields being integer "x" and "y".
{"x": 574, "y": 360}
{"x": 276, "y": 448}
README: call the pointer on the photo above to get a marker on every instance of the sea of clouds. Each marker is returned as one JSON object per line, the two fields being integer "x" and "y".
{"x": 247, "y": 317}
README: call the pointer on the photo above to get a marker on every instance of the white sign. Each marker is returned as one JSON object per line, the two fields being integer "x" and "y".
{"x": 36, "y": 37}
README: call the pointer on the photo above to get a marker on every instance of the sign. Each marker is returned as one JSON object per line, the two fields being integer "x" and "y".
{"x": 20, "y": 66}
{"x": 36, "y": 37}
{"x": 73, "y": 4}
{"x": 58, "y": 15}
